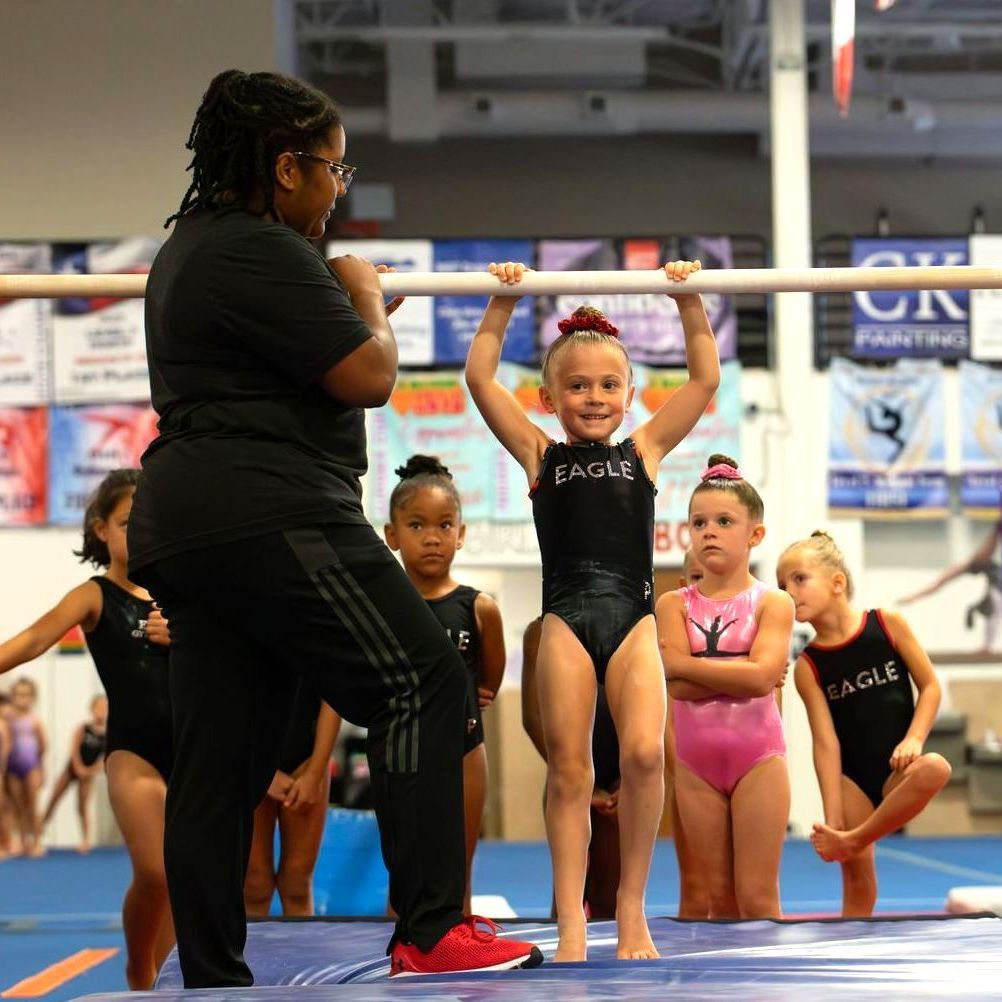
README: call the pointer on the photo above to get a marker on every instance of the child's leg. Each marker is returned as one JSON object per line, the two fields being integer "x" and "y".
{"x": 565, "y": 676}
{"x": 474, "y": 796}
{"x": 705, "y": 814}
{"x": 602, "y": 878}
{"x": 693, "y": 901}
{"x": 760, "y": 810}
{"x": 84, "y": 787}
{"x": 62, "y": 785}
{"x": 259, "y": 884}
{"x": 301, "y": 833}
{"x": 138, "y": 792}
{"x": 31, "y": 826}
{"x": 635, "y": 686}
{"x": 905, "y": 795}
{"x": 859, "y": 875}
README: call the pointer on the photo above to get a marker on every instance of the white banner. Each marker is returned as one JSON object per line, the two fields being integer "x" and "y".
{"x": 25, "y": 330}
{"x": 414, "y": 323}
{"x": 99, "y": 344}
{"x": 986, "y": 304}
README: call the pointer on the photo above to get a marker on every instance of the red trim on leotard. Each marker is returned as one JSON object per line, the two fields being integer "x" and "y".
{"x": 887, "y": 633}
{"x": 814, "y": 667}
{"x": 852, "y": 639}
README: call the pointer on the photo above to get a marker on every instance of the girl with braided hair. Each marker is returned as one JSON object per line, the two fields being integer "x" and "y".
{"x": 248, "y": 529}
{"x": 593, "y": 505}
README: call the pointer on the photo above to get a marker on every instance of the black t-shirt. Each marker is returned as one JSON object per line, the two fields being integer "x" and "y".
{"x": 242, "y": 318}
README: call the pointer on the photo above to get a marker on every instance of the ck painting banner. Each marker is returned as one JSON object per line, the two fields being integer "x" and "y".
{"x": 87, "y": 443}
{"x": 458, "y": 317}
{"x": 413, "y": 323}
{"x": 25, "y": 330}
{"x": 431, "y": 414}
{"x": 916, "y": 323}
{"x": 99, "y": 343}
{"x": 23, "y": 446}
{"x": 887, "y": 452}
{"x": 981, "y": 439}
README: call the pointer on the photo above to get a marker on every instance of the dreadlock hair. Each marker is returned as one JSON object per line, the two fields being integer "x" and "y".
{"x": 244, "y": 121}
{"x": 418, "y": 472}
{"x": 825, "y": 551}
{"x": 586, "y": 325}
{"x": 745, "y": 493}
{"x": 100, "y": 505}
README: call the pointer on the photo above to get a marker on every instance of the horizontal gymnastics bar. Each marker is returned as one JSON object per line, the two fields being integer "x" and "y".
{"x": 579, "y": 283}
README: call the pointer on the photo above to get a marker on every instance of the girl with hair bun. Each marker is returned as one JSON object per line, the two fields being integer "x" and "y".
{"x": 724, "y": 642}
{"x": 127, "y": 637}
{"x": 593, "y": 505}
{"x": 426, "y": 528}
{"x": 855, "y": 678}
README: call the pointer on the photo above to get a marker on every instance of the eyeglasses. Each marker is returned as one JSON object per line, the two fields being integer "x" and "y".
{"x": 342, "y": 172}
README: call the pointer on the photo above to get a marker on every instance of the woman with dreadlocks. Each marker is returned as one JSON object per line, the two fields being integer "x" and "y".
{"x": 248, "y": 530}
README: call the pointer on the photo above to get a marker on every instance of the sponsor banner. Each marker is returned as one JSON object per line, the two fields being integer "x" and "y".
{"x": 413, "y": 323}
{"x": 99, "y": 343}
{"x": 87, "y": 443}
{"x": 981, "y": 438}
{"x": 986, "y": 304}
{"x": 431, "y": 414}
{"x": 25, "y": 330}
{"x": 887, "y": 449}
{"x": 23, "y": 447}
{"x": 458, "y": 317}
{"x": 910, "y": 323}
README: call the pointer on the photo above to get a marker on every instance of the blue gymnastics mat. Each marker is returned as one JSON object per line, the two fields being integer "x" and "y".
{"x": 914, "y": 958}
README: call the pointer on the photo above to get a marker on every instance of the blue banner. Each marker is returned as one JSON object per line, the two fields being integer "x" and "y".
{"x": 981, "y": 438}
{"x": 457, "y": 317}
{"x": 887, "y": 451}
{"x": 915, "y": 323}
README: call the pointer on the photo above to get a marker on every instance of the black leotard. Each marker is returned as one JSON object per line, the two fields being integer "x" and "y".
{"x": 869, "y": 693}
{"x": 593, "y": 506}
{"x": 92, "y": 745}
{"x": 135, "y": 676}
{"x": 457, "y": 614}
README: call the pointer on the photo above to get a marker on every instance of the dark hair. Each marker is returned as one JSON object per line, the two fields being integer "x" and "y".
{"x": 100, "y": 505}
{"x": 418, "y": 472}
{"x": 244, "y": 121}
{"x": 746, "y": 494}
{"x": 586, "y": 325}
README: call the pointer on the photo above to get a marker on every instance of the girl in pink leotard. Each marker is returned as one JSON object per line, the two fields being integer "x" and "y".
{"x": 724, "y": 643}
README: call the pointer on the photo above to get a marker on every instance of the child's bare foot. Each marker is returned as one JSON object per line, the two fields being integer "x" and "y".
{"x": 36, "y": 852}
{"x": 572, "y": 941}
{"x": 832, "y": 845}
{"x": 635, "y": 941}
{"x": 83, "y": 848}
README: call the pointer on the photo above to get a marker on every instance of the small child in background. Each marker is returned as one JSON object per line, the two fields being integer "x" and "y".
{"x": 855, "y": 678}
{"x": 426, "y": 527}
{"x": 86, "y": 761}
{"x": 25, "y": 771}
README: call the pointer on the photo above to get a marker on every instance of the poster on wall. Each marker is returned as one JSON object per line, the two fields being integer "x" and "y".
{"x": 981, "y": 439}
{"x": 986, "y": 304}
{"x": 85, "y": 444}
{"x": 918, "y": 323}
{"x": 457, "y": 317}
{"x": 25, "y": 330}
{"x": 413, "y": 323}
{"x": 430, "y": 414}
{"x": 570, "y": 255}
{"x": 23, "y": 447}
{"x": 99, "y": 343}
{"x": 887, "y": 447}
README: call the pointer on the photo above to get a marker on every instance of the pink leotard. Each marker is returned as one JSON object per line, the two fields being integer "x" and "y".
{"x": 721, "y": 738}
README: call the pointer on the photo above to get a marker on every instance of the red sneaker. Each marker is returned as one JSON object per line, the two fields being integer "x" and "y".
{"x": 465, "y": 947}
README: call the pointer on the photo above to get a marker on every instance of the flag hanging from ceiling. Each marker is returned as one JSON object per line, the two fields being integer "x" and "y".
{"x": 843, "y": 36}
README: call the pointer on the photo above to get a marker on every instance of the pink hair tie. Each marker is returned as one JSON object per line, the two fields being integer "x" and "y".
{"x": 721, "y": 470}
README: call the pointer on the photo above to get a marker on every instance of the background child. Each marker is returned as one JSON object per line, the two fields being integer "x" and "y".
{"x": 593, "y": 505}
{"x": 725, "y": 643}
{"x": 25, "y": 772}
{"x": 87, "y": 748}
{"x": 127, "y": 638}
{"x": 296, "y": 803}
{"x": 602, "y": 878}
{"x": 426, "y": 527}
{"x": 856, "y": 679}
